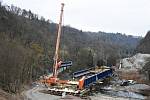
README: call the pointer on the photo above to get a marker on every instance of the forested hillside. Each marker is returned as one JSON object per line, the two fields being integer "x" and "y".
{"x": 144, "y": 45}
{"x": 27, "y": 44}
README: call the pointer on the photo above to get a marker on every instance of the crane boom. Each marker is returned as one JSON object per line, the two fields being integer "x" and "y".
{"x": 58, "y": 43}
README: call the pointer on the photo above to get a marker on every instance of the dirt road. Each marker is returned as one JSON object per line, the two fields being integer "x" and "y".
{"x": 34, "y": 94}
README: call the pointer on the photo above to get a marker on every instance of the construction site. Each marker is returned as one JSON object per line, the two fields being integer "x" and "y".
{"x": 86, "y": 83}
{"x": 81, "y": 79}
{"x": 96, "y": 50}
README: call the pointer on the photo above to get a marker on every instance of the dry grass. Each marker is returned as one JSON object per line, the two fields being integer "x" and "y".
{"x": 131, "y": 75}
{"x": 6, "y": 96}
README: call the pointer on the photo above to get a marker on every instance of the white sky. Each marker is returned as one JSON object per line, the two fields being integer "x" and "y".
{"x": 131, "y": 17}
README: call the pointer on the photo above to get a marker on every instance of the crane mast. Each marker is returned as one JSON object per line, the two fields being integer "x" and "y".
{"x": 55, "y": 65}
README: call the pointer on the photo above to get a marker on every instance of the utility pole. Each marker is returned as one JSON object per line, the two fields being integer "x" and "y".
{"x": 57, "y": 43}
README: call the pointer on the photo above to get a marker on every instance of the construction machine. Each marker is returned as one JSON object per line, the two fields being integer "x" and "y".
{"x": 84, "y": 78}
{"x": 54, "y": 79}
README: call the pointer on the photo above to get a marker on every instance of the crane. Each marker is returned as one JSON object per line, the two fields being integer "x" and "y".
{"x": 53, "y": 79}
{"x": 57, "y": 64}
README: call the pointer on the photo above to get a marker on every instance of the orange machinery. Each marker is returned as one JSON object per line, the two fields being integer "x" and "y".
{"x": 56, "y": 64}
{"x": 53, "y": 79}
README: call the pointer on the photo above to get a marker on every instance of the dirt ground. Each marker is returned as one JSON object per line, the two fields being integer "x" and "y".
{"x": 34, "y": 94}
{"x": 132, "y": 75}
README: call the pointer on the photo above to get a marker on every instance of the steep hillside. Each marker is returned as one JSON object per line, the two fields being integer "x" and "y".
{"x": 27, "y": 44}
{"x": 144, "y": 46}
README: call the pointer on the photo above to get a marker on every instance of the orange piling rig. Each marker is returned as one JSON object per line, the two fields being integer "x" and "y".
{"x": 56, "y": 65}
{"x": 53, "y": 79}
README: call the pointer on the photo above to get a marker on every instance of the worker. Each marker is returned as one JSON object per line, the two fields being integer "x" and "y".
{"x": 59, "y": 64}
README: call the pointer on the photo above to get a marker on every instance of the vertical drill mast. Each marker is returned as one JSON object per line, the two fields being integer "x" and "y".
{"x": 57, "y": 43}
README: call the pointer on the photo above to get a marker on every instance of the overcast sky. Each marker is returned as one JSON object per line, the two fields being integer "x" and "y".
{"x": 131, "y": 17}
